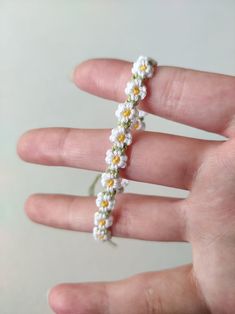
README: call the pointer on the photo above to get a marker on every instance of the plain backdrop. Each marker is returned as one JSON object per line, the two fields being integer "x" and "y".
{"x": 40, "y": 44}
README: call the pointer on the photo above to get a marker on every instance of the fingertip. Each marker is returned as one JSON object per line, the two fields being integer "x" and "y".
{"x": 82, "y": 72}
{"x": 28, "y": 206}
{"x": 74, "y": 298}
{"x": 103, "y": 77}
{"x": 29, "y": 143}
{"x": 40, "y": 145}
{"x": 32, "y": 206}
{"x": 22, "y": 146}
{"x": 59, "y": 300}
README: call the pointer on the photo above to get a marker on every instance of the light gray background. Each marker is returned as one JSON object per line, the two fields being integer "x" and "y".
{"x": 40, "y": 44}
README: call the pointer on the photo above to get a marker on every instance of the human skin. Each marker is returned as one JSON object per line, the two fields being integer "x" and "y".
{"x": 206, "y": 218}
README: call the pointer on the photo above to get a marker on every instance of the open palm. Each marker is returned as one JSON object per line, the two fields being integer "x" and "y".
{"x": 206, "y": 218}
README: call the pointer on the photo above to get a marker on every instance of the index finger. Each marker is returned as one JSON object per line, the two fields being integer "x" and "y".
{"x": 200, "y": 99}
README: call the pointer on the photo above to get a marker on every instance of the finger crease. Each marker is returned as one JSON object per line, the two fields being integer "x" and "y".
{"x": 173, "y": 92}
{"x": 153, "y": 302}
{"x": 62, "y": 152}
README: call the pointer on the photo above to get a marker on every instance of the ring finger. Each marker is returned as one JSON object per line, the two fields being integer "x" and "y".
{"x": 135, "y": 216}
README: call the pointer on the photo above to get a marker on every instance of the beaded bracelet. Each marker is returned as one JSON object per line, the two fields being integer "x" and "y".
{"x": 129, "y": 119}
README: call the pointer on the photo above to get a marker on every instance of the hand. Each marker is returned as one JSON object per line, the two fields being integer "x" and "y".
{"x": 206, "y": 218}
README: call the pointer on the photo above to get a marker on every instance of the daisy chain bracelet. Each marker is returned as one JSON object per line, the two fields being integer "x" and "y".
{"x": 130, "y": 119}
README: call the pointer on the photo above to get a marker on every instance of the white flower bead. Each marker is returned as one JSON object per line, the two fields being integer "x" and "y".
{"x": 124, "y": 183}
{"x": 105, "y": 202}
{"x": 101, "y": 234}
{"x": 137, "y": 124}
{"x": 115, "y": 159}
{"x": 120, "y": 137}
{"x": 109, "y": 182}
{"x": 103, "y": 221}
{"x": 143, "y": 67}
{"x": 135, "y": 90}
{"x": 125, "y": 112}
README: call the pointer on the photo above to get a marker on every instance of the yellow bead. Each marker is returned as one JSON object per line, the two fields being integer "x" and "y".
{"x": 136, "y": 125}
{"x": 121, "y": 137}
{"x": 116, "y": 159}
{"x": 102, "y": 222}
{"x": 126, "y": 113}
{"x": 136, "y": 90}
{"x": 143, "y": 67}
{"x": 104, "y": 203}
{"x": 110, "y": 182}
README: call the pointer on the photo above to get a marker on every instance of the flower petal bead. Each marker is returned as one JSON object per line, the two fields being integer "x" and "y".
{"x": 105, "y": 202}
{"x": 101, "y": 234}
{"x": 120, "y": 137}
{"x": 115, "y": 159}
{"x": 135, "y": 90}
{"x": 124, "y": 184}
{"x": 102, "y": 220}
{"x": 110, "y": 182}
{"x": 143, "y": 67}
{"x": 125, "y": 112}
{"x": 138, "y": 122}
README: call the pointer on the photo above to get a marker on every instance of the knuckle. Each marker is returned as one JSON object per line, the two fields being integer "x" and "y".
{"x": 173, "y": 91}
{"x": 153, "y": 302}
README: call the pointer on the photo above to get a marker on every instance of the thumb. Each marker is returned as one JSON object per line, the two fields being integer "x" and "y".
{"x": 169, "y": 291}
